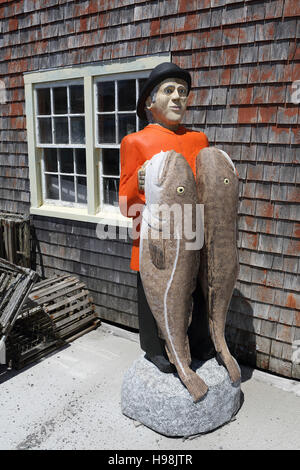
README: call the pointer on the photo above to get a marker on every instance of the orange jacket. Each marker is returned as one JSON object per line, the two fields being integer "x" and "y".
{"x": 140, "y": 146}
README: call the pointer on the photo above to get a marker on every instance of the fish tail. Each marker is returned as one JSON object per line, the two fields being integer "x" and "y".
{"x": 195, "y": 385}
{"x": 223, "y": 354}
{"x": 231, "y": 366}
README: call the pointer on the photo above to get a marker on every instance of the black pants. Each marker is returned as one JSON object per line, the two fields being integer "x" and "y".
{"x": 149, "y": 339}
{"x": 200, "y": 343}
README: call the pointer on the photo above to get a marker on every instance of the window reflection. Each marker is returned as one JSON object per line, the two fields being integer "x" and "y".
{"x": 52, "y": 187}
{"x": 76, "y": 99}
{"x": 106, "y": 129}
{"x": 127, "y": 125}
{"x": 80, "y": 161}
{"x": 81, "y": 190}
{"x": 60, "y": 100}
{"x": 110, "y": 162}
{"x": 106, "y": 96}
{"x": 43, "y": 101}
{"x": 61, "y": 130}
{"x": 126, "y": 95}
{"x": 67, "y": 188}
{"x": 50, "y": 160}
{"x": 45, "y": 130}
{"x": 77, "y": 130}
{"x": 66, "y": 161}
{"x": 111, "y": 191}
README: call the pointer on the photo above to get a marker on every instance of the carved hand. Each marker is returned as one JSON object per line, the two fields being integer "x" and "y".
{"x": 141, "y": 176}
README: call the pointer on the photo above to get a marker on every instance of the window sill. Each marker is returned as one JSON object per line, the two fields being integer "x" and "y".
{"x": 81, "y": 214}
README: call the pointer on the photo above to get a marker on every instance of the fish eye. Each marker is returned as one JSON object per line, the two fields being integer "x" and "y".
{"x": 180, "y": 189}
{"x": 226, "y": 181}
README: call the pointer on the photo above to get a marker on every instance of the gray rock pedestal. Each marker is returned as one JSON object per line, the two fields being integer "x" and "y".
{"x": 161, "y": 402}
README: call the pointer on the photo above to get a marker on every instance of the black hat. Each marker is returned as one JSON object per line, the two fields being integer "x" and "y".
{"x": 158, "y": 75}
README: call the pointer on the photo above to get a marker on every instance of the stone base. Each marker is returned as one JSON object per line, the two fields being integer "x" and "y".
{"x": 161, "y": 402}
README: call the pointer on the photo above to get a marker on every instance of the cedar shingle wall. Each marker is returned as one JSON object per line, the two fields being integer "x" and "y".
{"x": 243, "y": 57}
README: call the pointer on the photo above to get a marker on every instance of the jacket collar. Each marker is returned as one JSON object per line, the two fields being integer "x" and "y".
{"x": 181, "y": 129}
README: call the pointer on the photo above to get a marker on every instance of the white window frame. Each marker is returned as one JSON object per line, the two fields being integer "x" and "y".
{"x": 69, "y": 115}
{"x": 57, "y": 146}
{"x": 94, "y": 211}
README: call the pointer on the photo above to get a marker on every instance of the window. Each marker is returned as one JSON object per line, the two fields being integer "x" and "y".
{"x": 115, "y": 118}
{"x": 76, "y": 119}
{"x": 60, "y": 130}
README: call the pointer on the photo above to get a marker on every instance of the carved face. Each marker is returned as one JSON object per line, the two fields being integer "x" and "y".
{"x": 170, "y": 102}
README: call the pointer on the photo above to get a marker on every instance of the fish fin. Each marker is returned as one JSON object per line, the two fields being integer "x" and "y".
{"x": 169, "y": 355}
{"x": 157, "y": 253}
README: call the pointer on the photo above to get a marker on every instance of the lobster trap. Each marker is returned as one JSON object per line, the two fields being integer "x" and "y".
{"x": 15, "y": 239}
{"x": 37, "y": 318}
{"x": 15, "y": 285}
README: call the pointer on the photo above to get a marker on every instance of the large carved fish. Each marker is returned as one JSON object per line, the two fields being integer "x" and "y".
{"x": 168, "y": 267}
{"x": 217, "y": 187}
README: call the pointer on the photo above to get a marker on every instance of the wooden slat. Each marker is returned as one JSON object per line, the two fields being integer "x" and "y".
{"x": 62, "y": 293}
{"x": 65, "y": 331}
{"x": 69, "y": 309}
{"x": 41, "y": 295}
{"x": 74, "y": 316}
{"x": 65, "y": 301}
{"x": 47, "y": 282}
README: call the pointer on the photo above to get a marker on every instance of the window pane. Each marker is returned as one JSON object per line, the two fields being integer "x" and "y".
{"x": 66, "y": 161}
{"x": 80, "y": 161}
{"x": 52, "y": 189}
{"x": 50, "y": 160}
{"x": 77, "y": 130}
{"x": 61, "y": 130}
{"x": 67, "y": 188}
{"x": 76, "y": 99}
{"x": 43, "y": 101}
{"x": 126, "y": 95}
{"x": 45, "y": 130}
{"x": 106, "y": 129}
{"x": 127, "y": 125}
{"x": 111, "y": 191}
{"x": 110, "y": 162}
{"x": 106, "y": 96}
{"x": 60, "y": 100}
{"x": 81, "y": 190}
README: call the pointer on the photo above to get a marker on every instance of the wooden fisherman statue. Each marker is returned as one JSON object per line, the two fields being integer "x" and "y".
{"x": 162, "y": 102}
